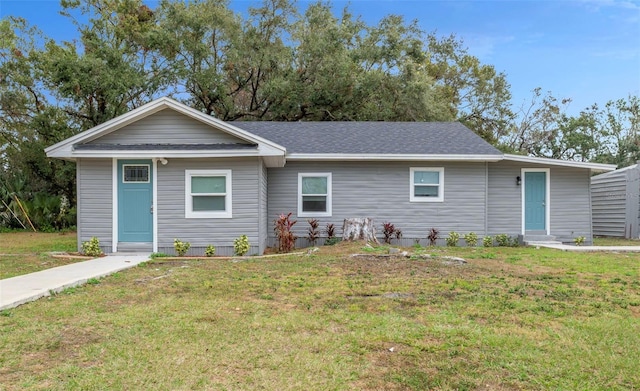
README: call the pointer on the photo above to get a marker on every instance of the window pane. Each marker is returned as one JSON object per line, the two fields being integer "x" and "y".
{"x": 314, "y": 185}
{"x": 136, "y": 173}
{"x": 208, "y": 203}
{"x": 314, "y": 204}
{"x": 208, "y": 184}
{"x": 426, "y": 191}
{"x": 427, "y": 177}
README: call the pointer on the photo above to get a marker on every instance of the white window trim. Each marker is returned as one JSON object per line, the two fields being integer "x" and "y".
{"x": 328, "y": 195}
{"x": 188, "y": 204}
{"x": 439, "y": 198}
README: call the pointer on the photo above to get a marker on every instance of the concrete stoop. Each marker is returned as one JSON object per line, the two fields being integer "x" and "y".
{"x": 537, "y": 240}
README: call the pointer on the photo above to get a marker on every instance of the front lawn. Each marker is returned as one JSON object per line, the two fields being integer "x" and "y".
{"x": 509, "y": 319}
{"x": 28, "y": 252}
{"x": 615, "y": 242}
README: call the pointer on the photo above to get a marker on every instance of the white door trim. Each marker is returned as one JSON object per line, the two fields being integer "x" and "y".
{"x": 547, "y": 196}
{"x": 114, "y": 206}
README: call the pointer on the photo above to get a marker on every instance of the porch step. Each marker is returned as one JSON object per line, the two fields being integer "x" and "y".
{"x": 533, "y": 240}
{"x": 133, "y": 247}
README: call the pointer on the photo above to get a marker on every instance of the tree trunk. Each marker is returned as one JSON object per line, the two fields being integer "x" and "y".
{"x": 359, "y": 228}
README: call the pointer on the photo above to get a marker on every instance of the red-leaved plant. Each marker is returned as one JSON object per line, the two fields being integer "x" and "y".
{"x": 433, "y": 236}
{"x": 313, "y": 233}
{"x": 388, "y": 230}
{"x": 330, "y": 230}
{"x": 286, "y": 238}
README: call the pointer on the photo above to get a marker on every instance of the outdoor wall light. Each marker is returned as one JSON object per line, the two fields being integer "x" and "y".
{"x": 518, "y": 180}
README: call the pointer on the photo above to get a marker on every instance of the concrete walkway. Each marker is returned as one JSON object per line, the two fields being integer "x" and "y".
{"x": 566, "y": 247}
{"x": 29, "y": 287}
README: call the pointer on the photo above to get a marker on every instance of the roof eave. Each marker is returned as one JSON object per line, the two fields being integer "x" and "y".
{"x": 391, "y": 157}
{"x": 594, "y": 167}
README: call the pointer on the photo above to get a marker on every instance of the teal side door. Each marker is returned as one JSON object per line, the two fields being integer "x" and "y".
{"x": 135, "y": 201}
{"x": 535, "y": 192}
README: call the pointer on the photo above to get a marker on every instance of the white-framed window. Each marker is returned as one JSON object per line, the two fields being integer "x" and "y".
{"x": 314, "y": 194}
{"x": 208, "y": 194}
{"x": 426, "y": 184}
{"x": 135, "y": 173}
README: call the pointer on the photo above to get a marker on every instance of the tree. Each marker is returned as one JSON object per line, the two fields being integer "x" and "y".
{"x": 476, "y": 94}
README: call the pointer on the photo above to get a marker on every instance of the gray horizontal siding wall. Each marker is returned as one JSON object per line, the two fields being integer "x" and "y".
{"x": 380, "y": 190}
{"x": 570, "y": 201}
{"x": 95, "y": 214}
{"x": 616, "y": 203}
{"x": 570, "y": 204}
{"x": 264, "y": 213}
{"x": 167, "y": 127}
{"x": 203, "y": 232}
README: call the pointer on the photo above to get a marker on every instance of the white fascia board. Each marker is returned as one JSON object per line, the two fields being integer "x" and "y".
{"x": 161, "y": 153}
{"x": 65, "y": 147}
{"x": 399, "y": 157}
{"x": 557, "y": 162}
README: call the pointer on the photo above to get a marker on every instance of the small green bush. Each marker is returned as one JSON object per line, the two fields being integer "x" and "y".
{"x": 579, "y": 241}
{"x": 241, "y": 245}
{"x": 181, "y": 247}
{"x": 452, "y": 239}
{"x": 503, "y": 240}
{"x": 330, "y": 241}
{"x": 158, "y": 255}
{"x": 487, "y": 241}
{"x": 210, "y": 251}
{"x": 92, "y": 247}
{"x": 471, "y": 239}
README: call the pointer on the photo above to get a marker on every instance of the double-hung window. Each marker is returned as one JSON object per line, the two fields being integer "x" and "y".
{"x": 208, "y": 194}
{"x": 426, "y": 184}
{"x": 314, "y": 194}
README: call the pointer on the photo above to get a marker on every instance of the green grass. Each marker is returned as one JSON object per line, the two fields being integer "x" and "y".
{"x": 26, "y": 252}
{"x": 511, "y": 318}
{"x": 615, "y": 242}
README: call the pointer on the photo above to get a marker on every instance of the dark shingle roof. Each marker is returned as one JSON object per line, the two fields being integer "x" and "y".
{"x": 423, "y": 138}
{"x": 162, "y": 147}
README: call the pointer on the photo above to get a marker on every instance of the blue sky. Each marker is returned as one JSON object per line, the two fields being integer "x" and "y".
{"x": 586, "y": 50}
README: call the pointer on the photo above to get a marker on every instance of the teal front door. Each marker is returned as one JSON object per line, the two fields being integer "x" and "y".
{"x": 135, "y": 201}
{"x": 535, "y": 203}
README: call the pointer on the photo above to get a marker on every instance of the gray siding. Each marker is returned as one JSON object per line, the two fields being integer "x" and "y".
{"x": 570, "y": 201}
{"x": 203, "y": 232}
{"x": 168, "y": 127}
{"x": 264, "y": 213}
{"x": 570, "y": 204}
{"x": 616, "y": 203}
{"x": 381, "y": 190}
{"x": 504, "y": 204}
{"x": 94, "y": 181}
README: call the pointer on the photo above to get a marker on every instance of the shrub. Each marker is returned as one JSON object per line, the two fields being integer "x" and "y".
{"x": 92, "y": 247}
{"x": 487, "y": 241}
{"x": 158, "y": 255}
{"x": 331, "y": 241}
{"x": 286, "y": 238}
{"x": 388, "y": 231}
{"x": 330, "y": 230}
{"x": 471, "y": 239}
{"x": 452, "y": 239}
{"x": 210, "y": 251}
{"x": 181, "y": 247}
{"x": 503, "y": 240}
{"x": 433, "y": 236}
{"x": 314, "y": 233}
{"x": 241, "y": 245}
{"x": 579, "y": 241}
